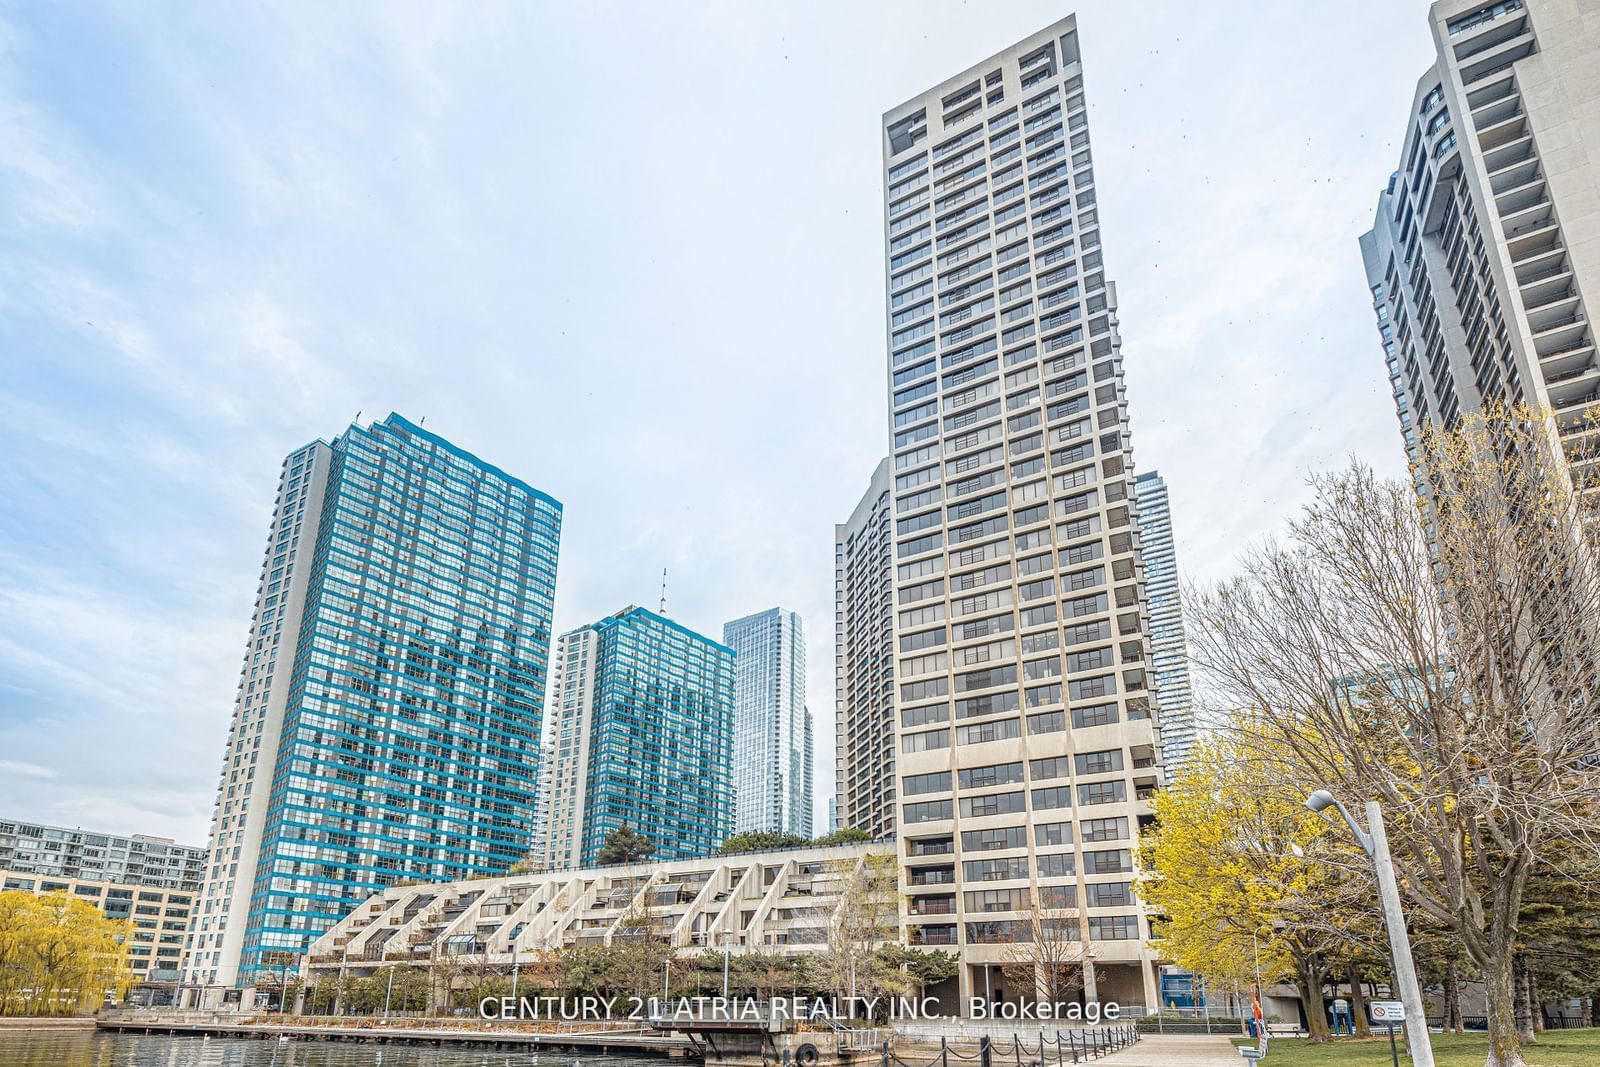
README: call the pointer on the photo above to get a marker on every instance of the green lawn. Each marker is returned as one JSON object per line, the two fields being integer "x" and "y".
{"x": 1555, "y": 1048}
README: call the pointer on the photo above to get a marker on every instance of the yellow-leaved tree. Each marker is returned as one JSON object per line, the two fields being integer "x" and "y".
{"x": 59, "y": 955}
{"x": 1226, "y": 868}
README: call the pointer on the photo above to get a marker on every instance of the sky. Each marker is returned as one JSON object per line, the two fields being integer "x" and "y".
{"x": 630, "y": 253}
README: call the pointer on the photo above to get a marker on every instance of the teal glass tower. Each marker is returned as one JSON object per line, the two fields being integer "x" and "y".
{"x": 389, "y": 709}
{"x": 640, "y": 736}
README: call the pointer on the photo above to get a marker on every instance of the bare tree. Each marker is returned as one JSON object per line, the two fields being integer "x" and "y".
{"x": 1049, "y": 950}
{"x": 866, "y": 917}
{"x": 1437, "y": 655}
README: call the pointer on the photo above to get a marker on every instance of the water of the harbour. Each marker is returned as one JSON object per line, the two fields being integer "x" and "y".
{"x": 139, "y": 1050}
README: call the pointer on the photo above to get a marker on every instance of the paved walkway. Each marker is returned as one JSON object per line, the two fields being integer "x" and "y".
{"x": 1176, "y": 1050}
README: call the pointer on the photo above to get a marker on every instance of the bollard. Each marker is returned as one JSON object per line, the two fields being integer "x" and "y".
{"x": 944, "y": 1052}
{"x": 985, "y": 1052}
{"x": 886, "y": 1054}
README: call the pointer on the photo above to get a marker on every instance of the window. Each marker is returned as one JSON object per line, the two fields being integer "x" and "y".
{"x": 992, "y": 704}
{"x": 1052, "y": 833}
{"x": 1105, "y": 830}
{"x": 993, "y": 775}
{"x": 995, "y": 870}
{"x": 993, "y": 804}
{"x": 1099, "y": 762}
{"x": 1089, "y": 688}
{"x": 997, "y": 900}
{"x": 1102, "y": 793}
{"x": 923, "y": 716}
{"x": 1110, "y": 861}
{"x": 1114, "y": 927}
{"x": 1057, "y": 866}
{"x": 1047, "y": 722}
{"x": 924, "y": 742}
{"x": 978, "y": 733}
{"x": 1109, "y": 895}
{"x": 990, "y": 840}
{"x": 927, "y": 811}
{"x": 1042, "y": 770}
{"x": 1094, "y": 715}
{"x": 1050, "y": 797}
{"x": 914, "y": 784}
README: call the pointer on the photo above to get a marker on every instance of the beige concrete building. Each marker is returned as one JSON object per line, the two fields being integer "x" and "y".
{"x": 160, "y": 917}
{"x": 1026, "y": 743}
{"x": 1486, "y": 245}
{"x": 778, "y": 901}
{"x": 863, "y": 663}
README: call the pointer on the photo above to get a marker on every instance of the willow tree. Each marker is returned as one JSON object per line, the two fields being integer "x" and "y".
{"x": 1436, "y": 653}
{"x": 59, "y": 955}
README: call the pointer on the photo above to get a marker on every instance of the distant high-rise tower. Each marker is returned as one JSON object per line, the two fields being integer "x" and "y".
{"x": 863, "y": 662}
{"x": 640, "y": 737}
{"x": 772, "y": 756}
{"x": 1169, "y": 652}
{"x": 1027, "y": 750}
{"x": 390, "y": 700}
{"x": 1487, "y": 239}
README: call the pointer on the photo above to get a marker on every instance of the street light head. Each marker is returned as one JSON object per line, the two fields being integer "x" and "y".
{"x": 1321, "y": 800}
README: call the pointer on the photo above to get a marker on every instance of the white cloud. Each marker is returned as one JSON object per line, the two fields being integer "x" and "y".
{"x": 630, "y": 254}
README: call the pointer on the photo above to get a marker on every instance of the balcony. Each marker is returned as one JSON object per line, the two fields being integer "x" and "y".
{"x": 1538, "y": 283}
{"x": 1511, "y": 128}
{"x": 1520, "y": 198}
{"x": 1510, "y": 154}
{"x": 937, "y": 935}
{"x": 1559, "y": 362}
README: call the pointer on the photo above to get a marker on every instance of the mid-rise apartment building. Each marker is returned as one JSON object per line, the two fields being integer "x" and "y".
{"x": 73, "y": 852}
{"x": 158, "y": 913}
{"x": 863, "y": 663}
{"x": 772, "y": 743}
{"x": 640, "y": 736}
{"x": 1169, "y": 653}
{"x": 1027, "y": 746}
{"x": 388, "y": 710}
{"x": 1486, "y": 244}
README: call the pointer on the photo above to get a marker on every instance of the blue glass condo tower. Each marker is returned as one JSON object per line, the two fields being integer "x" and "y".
{"x": 389, "y": 709}
{"x": 641, "y": 736}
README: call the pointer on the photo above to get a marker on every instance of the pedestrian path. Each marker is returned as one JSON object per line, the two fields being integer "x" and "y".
{"x": 1176, "y": 1050}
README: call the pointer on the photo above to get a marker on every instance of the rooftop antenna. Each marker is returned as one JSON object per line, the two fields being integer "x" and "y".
{"x": 663, "y": 610}
{"x": 423, "y": 421}
{"x": 358, "y": 416}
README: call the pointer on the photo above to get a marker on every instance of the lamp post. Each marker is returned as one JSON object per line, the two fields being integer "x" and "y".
{"x": 516, "y": 971}
{"x": 1375, "y": 843}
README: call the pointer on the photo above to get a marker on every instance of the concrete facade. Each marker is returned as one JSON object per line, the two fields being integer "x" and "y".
{"x": 1026, "y": 740}
{"x": 863, "y": 663}
{"x": 777, "y": 901}
{"x": 1486, "y": 245}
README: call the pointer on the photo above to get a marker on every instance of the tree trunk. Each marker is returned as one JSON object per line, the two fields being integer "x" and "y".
{"x": 1358, "y": 1002}
{"x": 1535, "y": 1006}
{"x": 1523, "y": 1009}
{"x": 1452, "y": 997}
{"x": 1499, "y": 982}
{"x": 1585, "y": 1011}
{"x": 1309, "y": 979}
